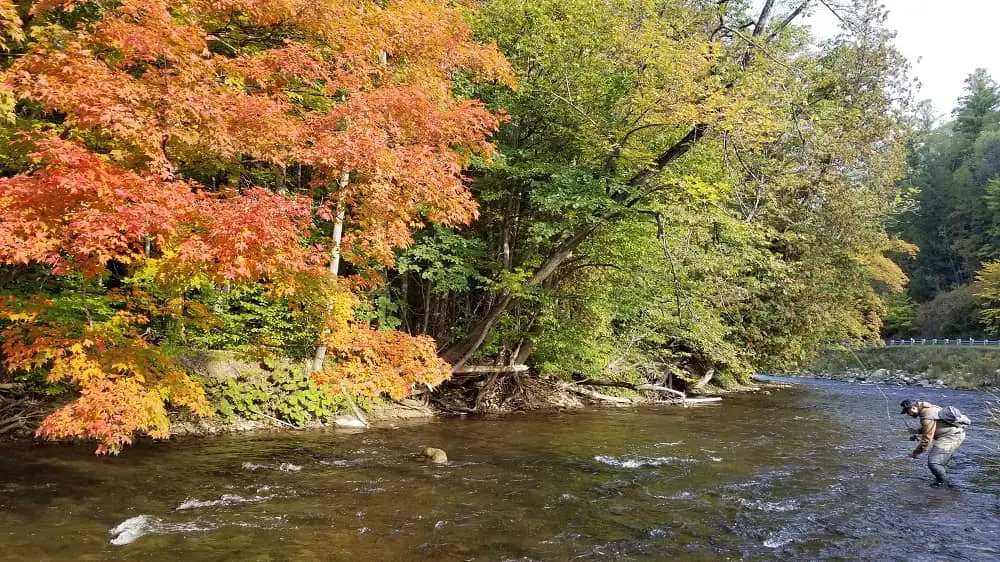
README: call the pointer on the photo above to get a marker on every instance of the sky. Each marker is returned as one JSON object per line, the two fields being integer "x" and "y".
{"x": 944, "y": 42}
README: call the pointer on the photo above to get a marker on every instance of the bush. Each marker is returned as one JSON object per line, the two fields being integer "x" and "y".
{"x": 280, "y": 392}
{"x": 951, "y": 314}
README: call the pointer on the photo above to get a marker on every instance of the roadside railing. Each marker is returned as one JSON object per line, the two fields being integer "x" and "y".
{"x": 906, "y": 342}
{"x": 940, "y": 341}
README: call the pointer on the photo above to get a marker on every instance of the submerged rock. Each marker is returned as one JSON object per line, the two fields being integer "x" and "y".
{"x": 348, "y": 421}
{"x": 436, "y": 456}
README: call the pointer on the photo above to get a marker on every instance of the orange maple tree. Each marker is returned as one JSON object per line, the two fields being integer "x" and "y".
{"x": 137, "y": 93}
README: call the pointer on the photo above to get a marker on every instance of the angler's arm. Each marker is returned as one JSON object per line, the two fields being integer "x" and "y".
{"x": 927, "y": 428}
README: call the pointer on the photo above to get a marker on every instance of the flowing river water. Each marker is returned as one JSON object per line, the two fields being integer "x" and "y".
{"x": 815, "y": 472}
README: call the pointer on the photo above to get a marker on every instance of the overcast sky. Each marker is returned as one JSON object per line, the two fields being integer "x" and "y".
{"x": 944, "y": 41}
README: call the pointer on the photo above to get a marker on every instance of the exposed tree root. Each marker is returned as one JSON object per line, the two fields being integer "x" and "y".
{"x": 20, "y": 413}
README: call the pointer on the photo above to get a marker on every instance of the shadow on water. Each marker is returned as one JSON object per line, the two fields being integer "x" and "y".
{"x": 815, "y": 472}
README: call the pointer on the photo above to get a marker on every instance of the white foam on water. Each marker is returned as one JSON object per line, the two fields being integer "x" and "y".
{"x": 134, "y": 528}
{"x": 716, "y": 459}
{"x": 637, "y": 462}
{"x": 680, "y": 496}
{"x": 779, "y": 540}
{"x": 225, "y": 500}
{"x": 131, "y": 529}
{"x": 343, "y": 462}
{"x": 283, "y": 467}
{"x": 787, "y": 505}
{"x": 658, "y": 533}
{"x": 269, "y": 523}
{"x": 669, "y": 444}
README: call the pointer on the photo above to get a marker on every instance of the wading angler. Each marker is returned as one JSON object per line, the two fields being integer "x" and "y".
{"x": 942, "y": 430}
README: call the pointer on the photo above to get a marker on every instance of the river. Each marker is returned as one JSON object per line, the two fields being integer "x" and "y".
{"x": 815, "y": 472}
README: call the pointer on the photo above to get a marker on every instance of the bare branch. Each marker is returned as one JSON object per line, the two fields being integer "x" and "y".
{"x": 788, "y": 20}
{"x": 835, "y": 13}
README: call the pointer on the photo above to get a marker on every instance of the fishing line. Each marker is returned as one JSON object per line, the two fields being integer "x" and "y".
{"x": 864, "y": 369}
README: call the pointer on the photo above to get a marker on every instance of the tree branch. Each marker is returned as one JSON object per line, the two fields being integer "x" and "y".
{"x": 678, "y": 149}
{"x": 788, "y": 20}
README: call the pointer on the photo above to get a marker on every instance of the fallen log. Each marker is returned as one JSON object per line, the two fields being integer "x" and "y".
{"x": 594, "y": 394}
{"x": 488, "y": 369}
{"x": 659, "y": 388}
{"x": 691, "y": 401}
{"x": 636, "y": 387}
{"x": 707, "y": 400}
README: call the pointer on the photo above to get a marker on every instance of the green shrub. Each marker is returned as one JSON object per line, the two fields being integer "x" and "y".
{"x": 284, "y": 393}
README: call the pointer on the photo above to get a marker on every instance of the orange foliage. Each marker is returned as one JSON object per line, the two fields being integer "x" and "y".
{"x": 367, "y": 362}
{"x": 124, "y": 381}
{"x": 10, "y": 23}
{"x": 371, "y": 363}
{"x": 152, "y": 82}
{"x": 78, "y": 212}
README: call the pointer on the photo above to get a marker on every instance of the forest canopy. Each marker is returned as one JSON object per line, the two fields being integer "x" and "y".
{"x": 389, "y": 193}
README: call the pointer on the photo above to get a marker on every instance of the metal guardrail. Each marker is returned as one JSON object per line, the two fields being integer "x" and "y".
{"x": 940, "y": 341}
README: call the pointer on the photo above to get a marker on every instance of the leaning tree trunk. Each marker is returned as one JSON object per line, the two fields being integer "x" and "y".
{"x": 460, "y": 352}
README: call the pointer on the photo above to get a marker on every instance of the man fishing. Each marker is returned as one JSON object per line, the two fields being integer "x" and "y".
{"x": 945, "y": 432}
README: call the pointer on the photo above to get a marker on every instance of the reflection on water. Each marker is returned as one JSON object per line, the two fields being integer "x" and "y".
{"x": 811, "y": 473}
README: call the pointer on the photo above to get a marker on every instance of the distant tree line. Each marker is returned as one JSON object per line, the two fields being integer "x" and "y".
{"x": 954, "y": 287}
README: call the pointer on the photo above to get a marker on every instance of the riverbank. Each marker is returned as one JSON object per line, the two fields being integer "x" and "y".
{"x": 521, "y": 393}
{"x": 919, "y": 366}
{"x": 525, "y": 393}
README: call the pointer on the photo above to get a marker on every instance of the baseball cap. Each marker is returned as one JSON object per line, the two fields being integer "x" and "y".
{"x": 906, "y": 405}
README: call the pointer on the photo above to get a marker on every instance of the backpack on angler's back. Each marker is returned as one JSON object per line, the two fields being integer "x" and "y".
{"x": 953, "y": 417}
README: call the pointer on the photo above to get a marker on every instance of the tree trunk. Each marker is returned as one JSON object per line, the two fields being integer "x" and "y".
{"x": 338, "y": 233}
{"x": 404, "y": 294}
{"x": 765, "y": 15}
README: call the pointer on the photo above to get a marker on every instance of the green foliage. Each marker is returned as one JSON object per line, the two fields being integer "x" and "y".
{"x": 899, "y": 316}
{"x": 956, "y": 221}
{"x": 283, "y": 393}
{"x": 249, "y": 318}
{"x": 950, "y": 314}
{"x": 988, "y": 291}
{"x": 444, "y": 259}
{"x": 613, "y": 245}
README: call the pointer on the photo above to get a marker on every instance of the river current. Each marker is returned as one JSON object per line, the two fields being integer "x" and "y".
{"x": 814, "y": 472}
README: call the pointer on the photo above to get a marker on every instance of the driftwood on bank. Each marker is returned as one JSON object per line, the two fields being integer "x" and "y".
{"x": 594, "y": 394}
{"x": 488, "y": 369}
{"x": 22, "y": 413}
{"x": 692, "y": 401}
{"x": 636, "y": 387}
{"x": 704, "y": 380}
{"x": 681, "y": 397}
